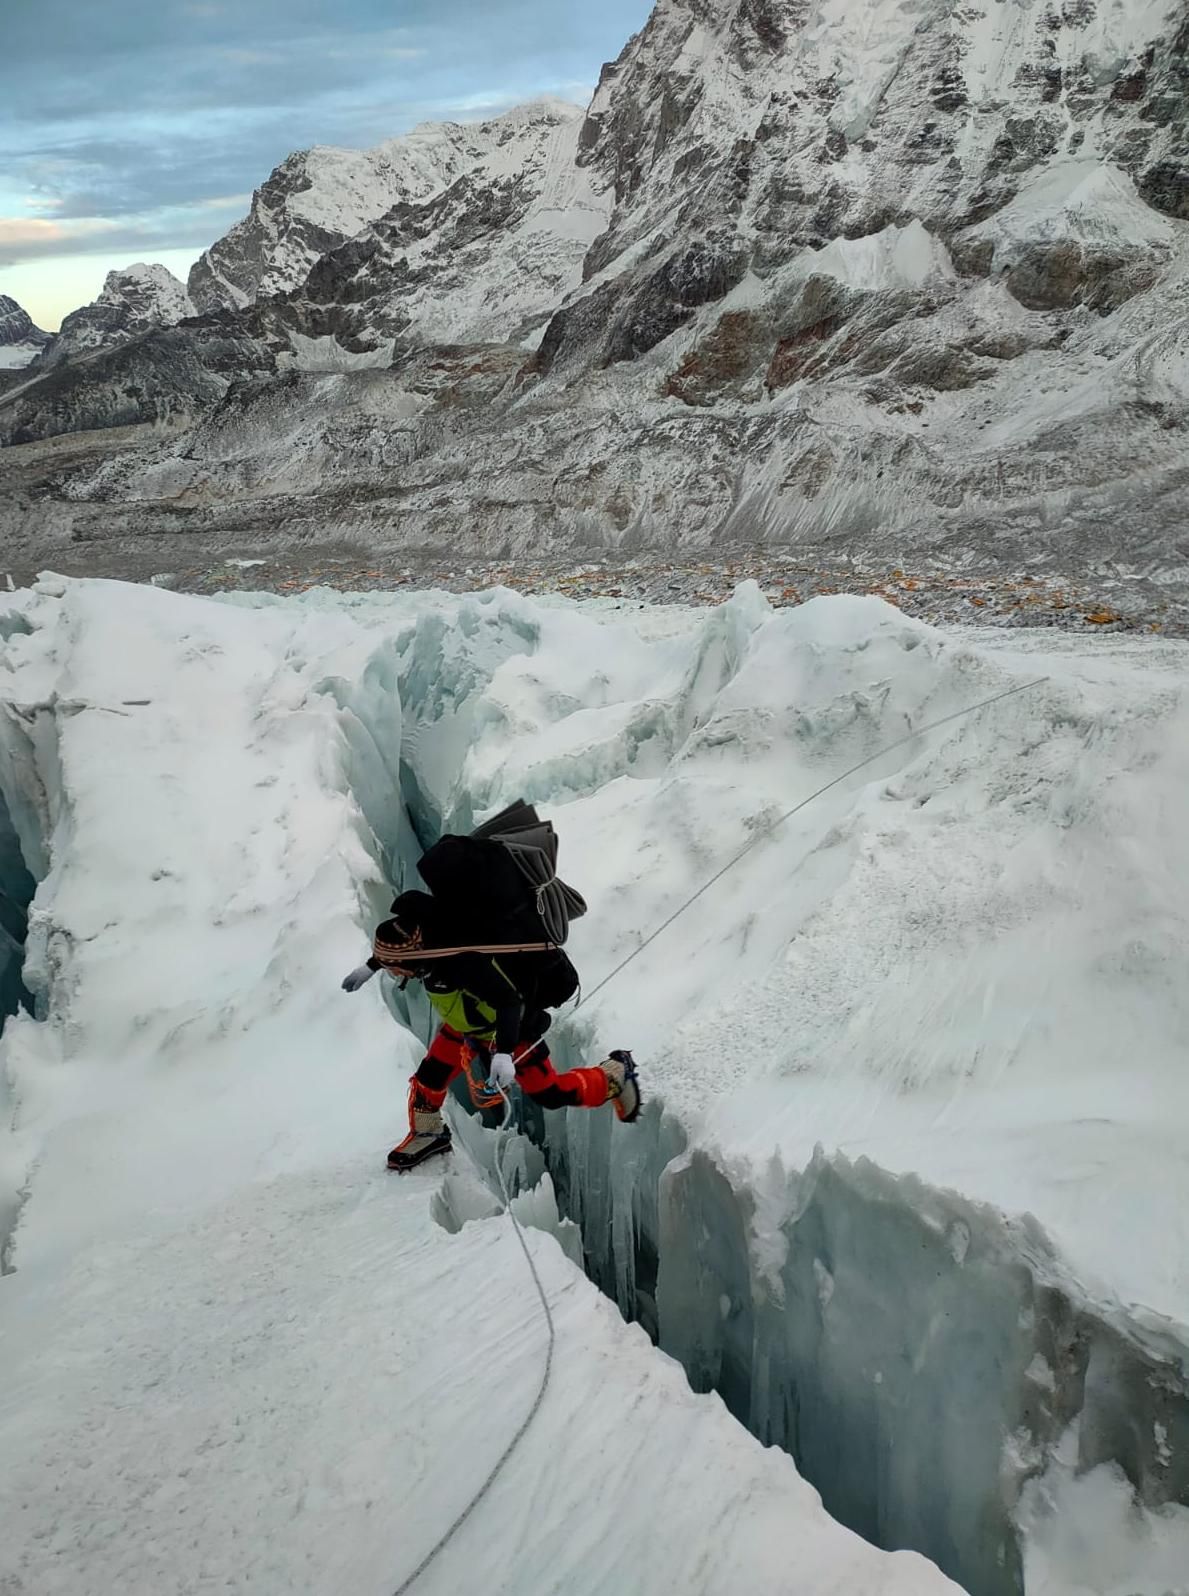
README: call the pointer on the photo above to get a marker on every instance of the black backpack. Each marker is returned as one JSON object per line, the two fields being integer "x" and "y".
{"x": 501, "y": 883}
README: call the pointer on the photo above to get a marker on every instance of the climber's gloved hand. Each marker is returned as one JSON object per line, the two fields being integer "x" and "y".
{"x": 358, "y": 978}
{"x": 502, "y": 1072}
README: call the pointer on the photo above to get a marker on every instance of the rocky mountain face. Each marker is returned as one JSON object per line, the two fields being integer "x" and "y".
{"x": 167, "y": 376}
{"x": 909, "y": 282}
{"x": 20, "y": 340}
{"x": 785, "y": 125}
{"x": 135, "y": 300}
{"x": 488, "y": 257}
{"x": 314, "y": 201}
{"x": 318, "y": 199}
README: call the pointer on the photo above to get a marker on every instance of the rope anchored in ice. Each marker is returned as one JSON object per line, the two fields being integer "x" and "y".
{"x": 763, "y": 836}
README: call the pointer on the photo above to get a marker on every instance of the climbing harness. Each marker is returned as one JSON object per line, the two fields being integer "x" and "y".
{"x": 762, "y": 836}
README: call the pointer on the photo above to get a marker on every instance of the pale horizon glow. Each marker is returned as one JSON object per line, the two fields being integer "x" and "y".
{"x": 50, "y": 289}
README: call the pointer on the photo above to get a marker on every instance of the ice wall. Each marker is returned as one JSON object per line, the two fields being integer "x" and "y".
{"x": 920, "y": 1356}
{"x": 28, "y": 808}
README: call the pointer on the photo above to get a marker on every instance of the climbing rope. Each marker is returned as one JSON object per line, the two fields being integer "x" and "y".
{"x": 762, "y": 836}
{"x": 462, "y": 1517}
{"x": 921, "y": 731}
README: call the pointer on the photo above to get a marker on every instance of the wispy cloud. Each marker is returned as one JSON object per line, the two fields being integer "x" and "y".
{"x": 140, "y": 120}
{"x": 21, "y": 231}
{"x": 30, "y": 238}
{"x": 252, "y": 57}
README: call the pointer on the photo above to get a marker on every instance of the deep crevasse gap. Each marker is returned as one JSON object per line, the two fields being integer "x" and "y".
{"x": 28, "y": 741}
{"x": 927, "y": 1361}
{"x": 16, "y": 894}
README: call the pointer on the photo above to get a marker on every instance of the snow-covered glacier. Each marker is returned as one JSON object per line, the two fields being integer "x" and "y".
{"x": 908, "y": 1193}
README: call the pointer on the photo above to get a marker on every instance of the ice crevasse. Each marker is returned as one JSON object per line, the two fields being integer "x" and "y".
{"x": 908, "y": 1193}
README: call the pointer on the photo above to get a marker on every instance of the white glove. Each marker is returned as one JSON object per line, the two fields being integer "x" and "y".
{"x": 357, "y": 978}
{"x": 502, "y": 1072}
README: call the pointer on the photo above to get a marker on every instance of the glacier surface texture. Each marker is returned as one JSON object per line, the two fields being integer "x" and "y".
{"x": 906, "y": 1201}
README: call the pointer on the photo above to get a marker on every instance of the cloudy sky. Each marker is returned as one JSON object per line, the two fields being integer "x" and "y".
{"x": 137, "y": 129}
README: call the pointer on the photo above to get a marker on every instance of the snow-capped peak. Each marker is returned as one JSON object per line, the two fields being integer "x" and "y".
{"x": 134, "y": 300}
{"x": 20, "y": 340}
{"x": 319, "y": 198}
{"x": 151, "y": 288}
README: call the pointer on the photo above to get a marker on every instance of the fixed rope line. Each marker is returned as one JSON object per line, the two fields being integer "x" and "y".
{"x": 493, "y": 1475}
{"x": 763, "y": 836}
{"x": 460, "y": 1519}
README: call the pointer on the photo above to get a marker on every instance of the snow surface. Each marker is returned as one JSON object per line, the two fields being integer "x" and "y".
{"x": 15, "y": 356}
{"x": 896, "y": 257}
{"x": 299, "y": 1386}
{"x": 958, "y": 977}
{"x": 1108, "y": 36}
{"x": 1084, "y": 201}
{"x": 236, "y": 1352}
{"x": 325, "y": 353}
{"x": 861, "y": 49}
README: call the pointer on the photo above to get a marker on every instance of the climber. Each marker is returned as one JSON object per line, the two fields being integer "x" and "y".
{"x": 495, "y": 1006}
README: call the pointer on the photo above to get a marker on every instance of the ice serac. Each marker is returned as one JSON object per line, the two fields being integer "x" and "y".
{"x": 20, "y": 341}
{"x": 135, "y": 299}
